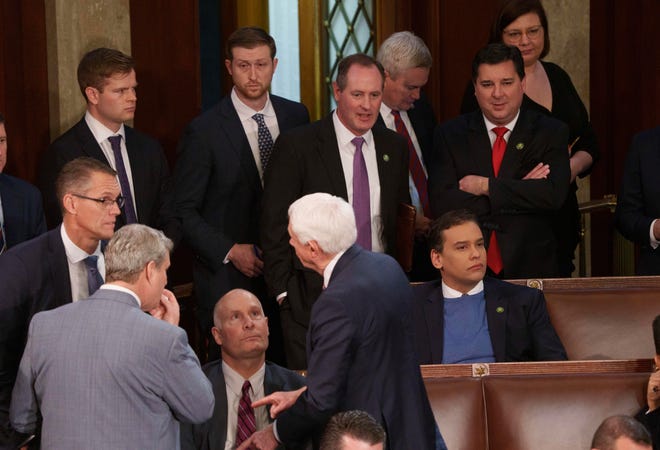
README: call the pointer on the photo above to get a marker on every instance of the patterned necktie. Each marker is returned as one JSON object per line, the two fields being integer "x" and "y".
{"x": 94, "y": 279}
{"x": 246, "y": 424}
{"x": 415, "y": 165}
{"x": 265, "y": 141}
{"x": 494, "y": 256}
{"x": 361, "y": 204}
{"x": 129, "y": 209}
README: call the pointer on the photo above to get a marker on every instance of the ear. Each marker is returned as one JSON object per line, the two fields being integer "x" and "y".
{"x": 92, "y": 95}
{"x": 217, "y": 335}
{"x": 228, "y": 66}
{"x": 70, "y": 204}
{"x": 656, "y": 360}
{"x": 335, "y": 90}
{"x": 314, "y": 248}
{"x": 150, "y": 270}
{"x": 275, "y": 60}
{"x": 436, "y": 259}
{"x": 522, "y": 83}
{"x": 267, "y": 328}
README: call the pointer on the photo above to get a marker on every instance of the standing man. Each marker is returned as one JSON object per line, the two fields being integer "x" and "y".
{"x": 107, "y": 81}
{"x": 342, "y": 155}
{"x": 638, "y": 207}
{"x": 21, "y": 210}
{"x": 63, "y": 265}
{"x": 360, "y": 342}
{"x": 466, "y": 318}
{"x": 407, "y": 63}
{"x": 242, "y": 375}
{"x": 219, "y": 173}
{"x": 102, "y": 374}
{"x": 506, "y": 164}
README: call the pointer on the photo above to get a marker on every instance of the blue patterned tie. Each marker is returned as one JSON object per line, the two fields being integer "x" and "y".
{"x": 129, "y": 209}
{"x": 94, "y": 279}
{"x": 265, "y": 140}
{"x": 361, "y": 205}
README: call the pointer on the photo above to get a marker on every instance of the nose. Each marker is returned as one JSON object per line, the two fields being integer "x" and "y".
{"x": 253, "y": 71}
{"x": 132, "y": 95}
{"x": 497, "y": 90}
{"x": 114, "y": 209}
{"x": 248, "y": 323}
{"x": 416, "y": 93}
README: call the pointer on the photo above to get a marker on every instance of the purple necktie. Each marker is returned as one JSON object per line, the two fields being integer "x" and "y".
{"x": 246, "y": 424}
{"x": 129, "y": 209}
{"x": 361, "y": 196}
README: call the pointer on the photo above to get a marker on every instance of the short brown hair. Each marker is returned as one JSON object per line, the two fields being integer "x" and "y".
{"x": 100, "y": 64}
{"x": 436, "y": 237}
{"x": 360, "y": 59}
{"x": 513, "y": 9}
{"x": 356, "y": 424}
{"x": 249, "y": 37}
{"x": 76, "y": 176}
{"x": 615, "y": 427}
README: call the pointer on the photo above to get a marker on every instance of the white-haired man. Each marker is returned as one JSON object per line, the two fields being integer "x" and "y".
{"x": 359, "y": 344}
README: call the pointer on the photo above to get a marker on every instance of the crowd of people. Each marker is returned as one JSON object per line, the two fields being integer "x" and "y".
{"x": 294, "y": 226}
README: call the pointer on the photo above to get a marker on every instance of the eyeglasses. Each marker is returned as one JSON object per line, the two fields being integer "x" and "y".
{"x": 516, "y": 35}
{"x": 107, "y": 202}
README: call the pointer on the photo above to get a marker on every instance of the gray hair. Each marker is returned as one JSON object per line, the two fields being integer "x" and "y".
{"x": 131, "y": 248}
{"x": 323, "y": 218}
{"x": 402, "y": 51}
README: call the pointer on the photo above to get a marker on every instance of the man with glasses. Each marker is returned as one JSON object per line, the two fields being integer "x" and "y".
{"x": 63, "y": 265}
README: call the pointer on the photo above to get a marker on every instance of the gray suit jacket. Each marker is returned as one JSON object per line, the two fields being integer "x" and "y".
{"x": 102, "y": 374}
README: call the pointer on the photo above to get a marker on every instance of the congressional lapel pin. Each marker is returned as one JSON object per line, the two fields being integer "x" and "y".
{"x": 499, "y": 310}
{"x": 520, "y": 146}
{"x": 386, "y": 157}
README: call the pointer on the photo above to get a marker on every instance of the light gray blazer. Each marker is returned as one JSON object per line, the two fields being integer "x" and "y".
{"x": 103, "y": 374}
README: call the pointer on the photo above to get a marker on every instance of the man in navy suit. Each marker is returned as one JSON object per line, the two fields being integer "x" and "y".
{"x": 513, "y": 181}
{"x": 241, "y": 329}
{"x": 466, "y": 318}
{"x": 638, "y": 207}
{"x": 51, "y": 270}
{"x": 407, "y": 63}
{"x": 219, "y": 177}
{"x": 322, "y": 157}
{"x": 21, "y": 210}
{"x": 107, "y": 80}
{"x": 360, "y": 341}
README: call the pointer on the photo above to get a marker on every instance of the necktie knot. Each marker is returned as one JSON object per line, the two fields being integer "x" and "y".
{"x": 115, "y": 143}
{"x": 246, "y": 388}
{"x": 94, "y": 278}
{"x": 500, "y": 131}
{"x": 358, "y": 141}
{"x": 259, "y": 118}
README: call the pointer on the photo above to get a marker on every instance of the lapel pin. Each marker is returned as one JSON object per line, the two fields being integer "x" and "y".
{"x": 520, "y": 146}
{"x": 386, "y": 157}
{"x": 499, "y": 310}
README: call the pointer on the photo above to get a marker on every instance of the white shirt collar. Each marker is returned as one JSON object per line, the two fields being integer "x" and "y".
{"x": 114, "y": 287}
{"x": 448, "y": 292}
{"x": 344, "y": 136}
{"x": 74, "y": 253}
{"x": 245, "y": 112}
{"x": 490, "y": 125}
{"x": 101, "y": 132}
{"x": 235, "y": 381}
{"x": 327, "y": 272}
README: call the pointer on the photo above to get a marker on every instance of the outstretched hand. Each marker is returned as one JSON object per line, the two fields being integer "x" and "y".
{"x": 279, "y": 401}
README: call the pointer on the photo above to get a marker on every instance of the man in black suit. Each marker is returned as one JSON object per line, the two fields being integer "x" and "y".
{"x": 360, "y": 341}
{"x": 241, "y": 329}
{"x": 219, "y": 177}
{"x": 321, "y": 158}
{"x": 638, "y": 206}
{"x": 55, "y": 268}
{"x": 407, "y": 63}
{"x": 21, "y": 210}
{"x": 507, "y": 164}
{"x": 466, "y": 318}
{"x": 107, "y": 80}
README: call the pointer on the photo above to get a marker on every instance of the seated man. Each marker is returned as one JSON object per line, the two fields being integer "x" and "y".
{"x": 241, "y": 376}
{"x": 466, "y": 318}
{"x": 621, "y": 433}
{"x": 650, "y": 416}
{"x": 353, "y": 430}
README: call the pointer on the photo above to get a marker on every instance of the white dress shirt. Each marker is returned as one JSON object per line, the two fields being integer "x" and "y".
{"x": 75, "y": 257}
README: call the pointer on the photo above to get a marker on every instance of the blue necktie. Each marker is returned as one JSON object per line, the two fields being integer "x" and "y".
{"x": 94, "y": 278}
{"x": 265, "y": 140}
{"x": 129, "y": 209}
{"x": 361, "y": 204}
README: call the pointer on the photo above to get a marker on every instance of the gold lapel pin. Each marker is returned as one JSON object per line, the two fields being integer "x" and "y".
{"x": 499, "y": 309}
{"x": 520, "y": 146}
{"x": 386, "y": 157}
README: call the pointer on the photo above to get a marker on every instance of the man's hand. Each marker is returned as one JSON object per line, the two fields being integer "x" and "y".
{"x": 279, "y": 401}
{"x": 261, "y": 440}
{"x": 168, "y": 309}
{"x": 474, "y": 184}
{"x": 539, "y": 172}
{"x": 653, "y": 391}
{"x": 246, "y": 258}
{"x": 422, "y": 225}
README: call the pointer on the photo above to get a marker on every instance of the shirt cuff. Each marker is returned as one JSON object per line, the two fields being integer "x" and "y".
{"x": 280, "y": 298}
{"x": 652, "y": 240}
{"x": 277, "y": 436}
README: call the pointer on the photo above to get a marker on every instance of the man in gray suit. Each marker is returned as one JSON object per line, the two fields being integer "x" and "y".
{"x": 100, "y": 373}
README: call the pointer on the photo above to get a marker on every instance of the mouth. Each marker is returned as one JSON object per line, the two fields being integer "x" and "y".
{"x": 476, "y": 267}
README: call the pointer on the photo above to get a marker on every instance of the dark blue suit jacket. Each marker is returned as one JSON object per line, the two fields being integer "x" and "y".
{"x": 361, "y": 355}
{"x": 218, "y": 194}
{"x": 639, "y": 198}
{"x": 150, "y": 173}
{"x": 212, "y": 434}
{"x": 22, "y": 210}
{"x": 518, "y": 323}
{"x": 34, "y": 277}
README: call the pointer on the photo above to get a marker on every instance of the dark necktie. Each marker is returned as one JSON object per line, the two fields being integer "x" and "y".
{"x": 415, "y": 165}
{"x": 265, "y": 141}
{"x": 361, "y": 204}
{"x": 246, "y": 424}
{"x": 94, "y": 279}
{"x": 129, "y": 209}
{"x": 494, "y": 256}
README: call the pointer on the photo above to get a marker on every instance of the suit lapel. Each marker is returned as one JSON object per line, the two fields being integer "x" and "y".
{"x": 496, "y": 312}
{"x": 479, "y": 148}
{"x": 521, "y": 134}
{"x": 137, "y": 160}
{"x": 12, "y": 209}
{"x": 387, "y": 170}
{"x": 217, "y": 426}
{"x": 59, "y": 268}
{"x": 329, "y": 154}
{"x": 434, "y": 315}
{"x": 89, "y": 145}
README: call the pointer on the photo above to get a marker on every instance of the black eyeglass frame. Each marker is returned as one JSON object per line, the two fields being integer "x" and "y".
{"x": 107, "y": 202}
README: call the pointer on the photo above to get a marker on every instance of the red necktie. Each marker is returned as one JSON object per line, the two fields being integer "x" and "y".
{"x": 415, "y": 165}
{"x": 246, "y": 424}
{"x": 499, "y": 147}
